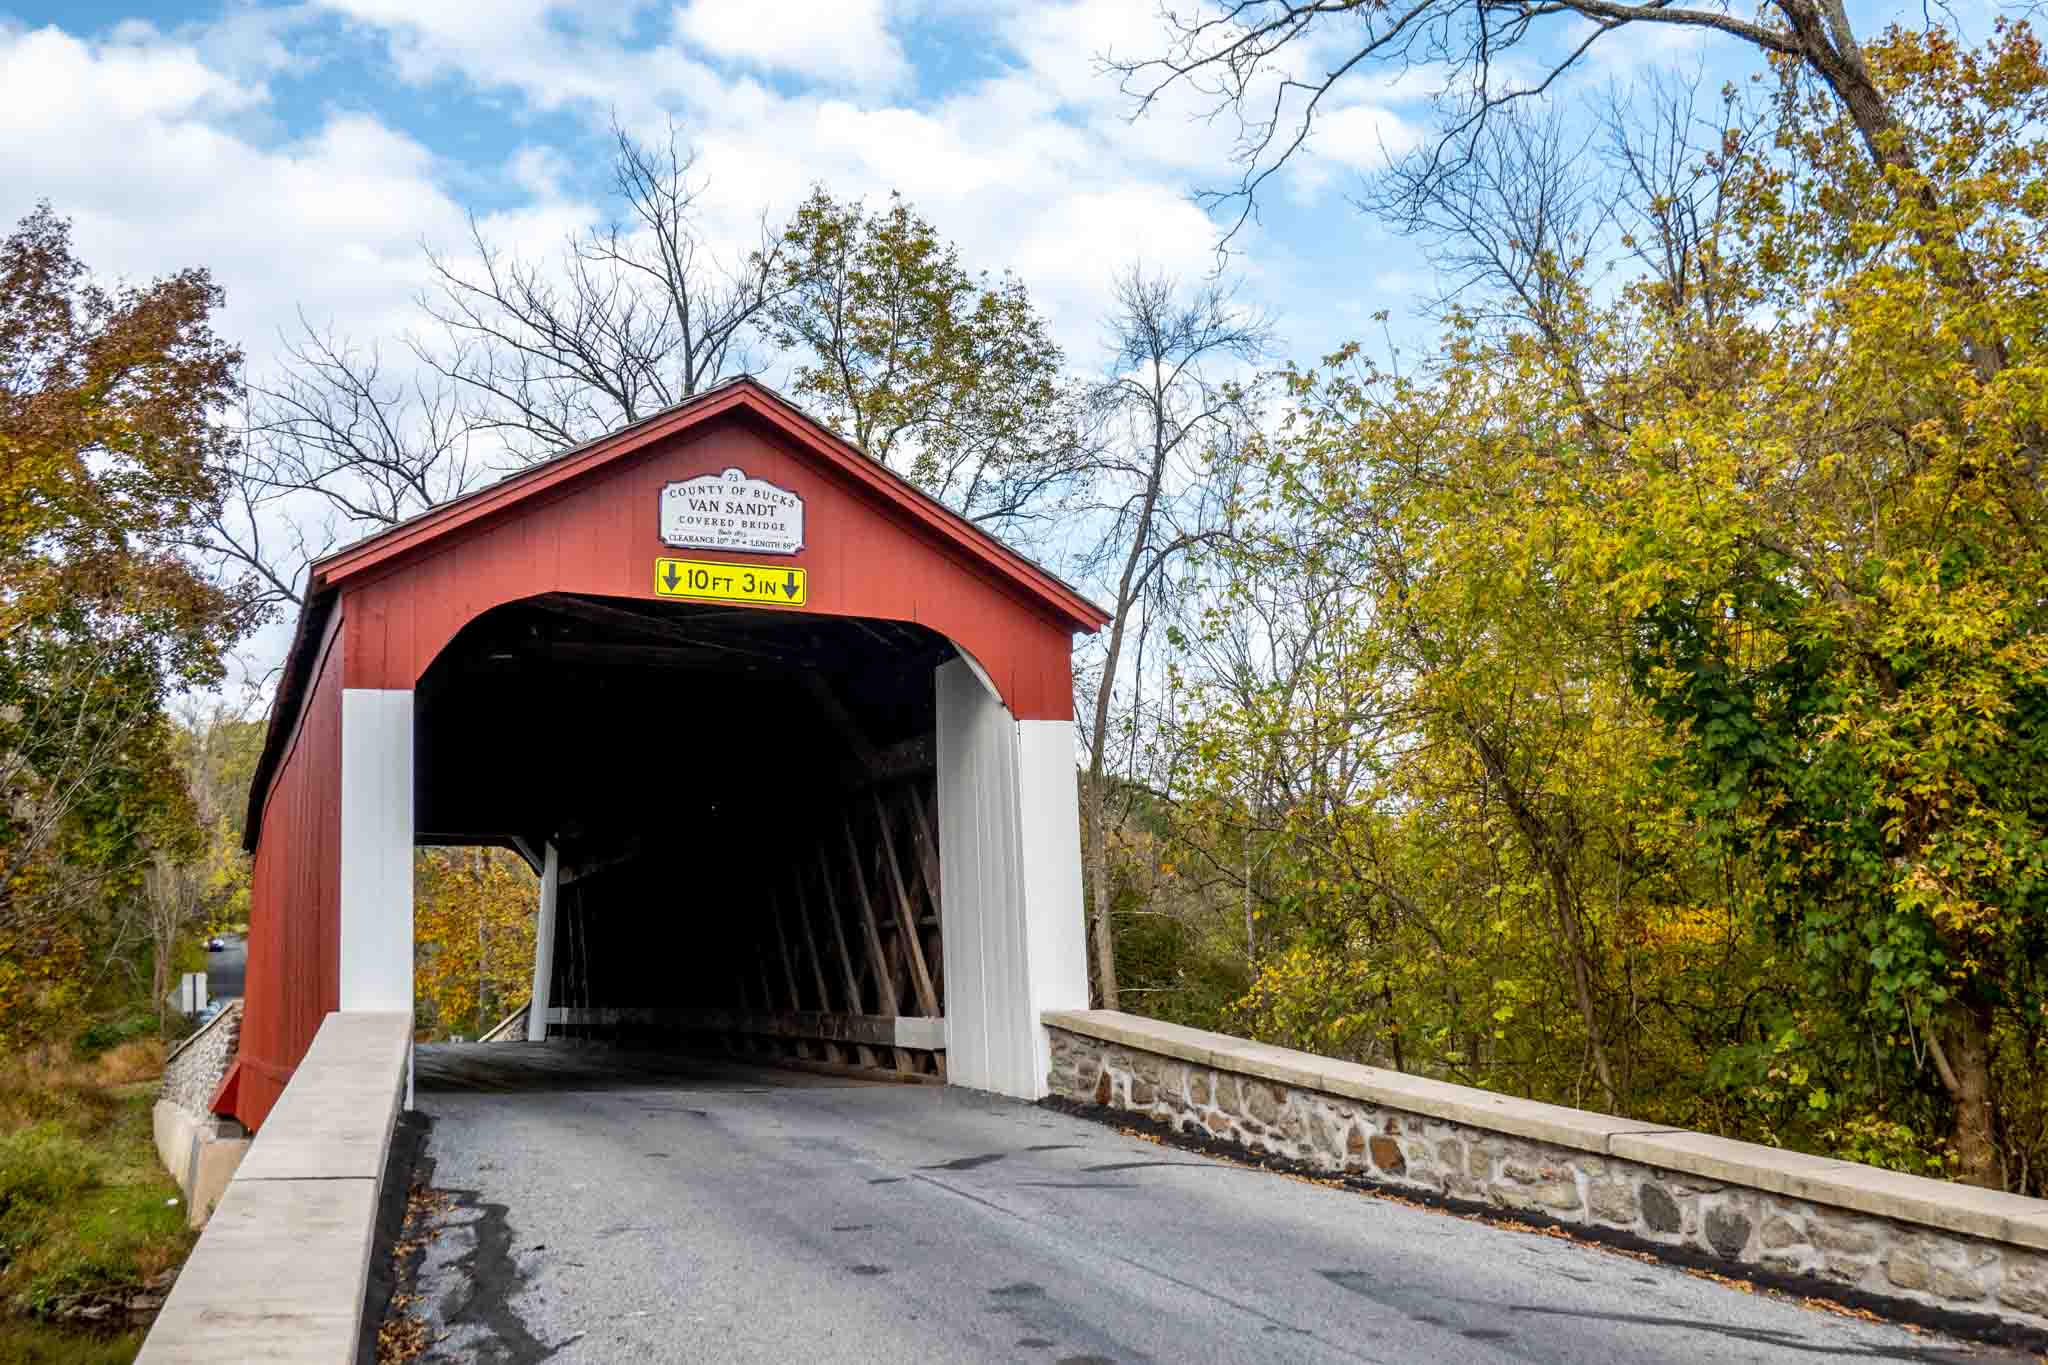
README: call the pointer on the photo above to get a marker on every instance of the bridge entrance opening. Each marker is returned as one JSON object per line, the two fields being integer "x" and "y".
{"x": 734, "y": 813}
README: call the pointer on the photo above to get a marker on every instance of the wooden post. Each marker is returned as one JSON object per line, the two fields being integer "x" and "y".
{"x": 796, "y": 1002}
{"x": 544, "y": 946}
{"x": 839, "y": 935}
{"x": 885, "y": 979}
{"x": 927, "y": 846}
{"x": 810, "y": 944}
{"x": 906, "y": 917}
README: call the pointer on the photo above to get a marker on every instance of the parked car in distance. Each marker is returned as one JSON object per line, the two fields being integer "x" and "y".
{"x": 216, "y": 945}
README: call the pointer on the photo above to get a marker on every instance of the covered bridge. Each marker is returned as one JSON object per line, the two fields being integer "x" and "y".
{"x": 790, "y": 744}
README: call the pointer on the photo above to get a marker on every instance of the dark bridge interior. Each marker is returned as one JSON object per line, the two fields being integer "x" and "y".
{"x": 742, "y": 801}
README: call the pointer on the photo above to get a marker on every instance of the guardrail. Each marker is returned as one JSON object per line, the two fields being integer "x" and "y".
{"x": 1853, "y": 1230}
{"x": 282, "y": 1269}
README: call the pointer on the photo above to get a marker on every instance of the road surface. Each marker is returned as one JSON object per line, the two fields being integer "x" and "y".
{"x": 225, "y": 969}
{"x": 662, "y": 1211}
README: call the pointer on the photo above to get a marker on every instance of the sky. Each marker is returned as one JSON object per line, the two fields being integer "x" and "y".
{"x": 309, "y": 153}
{"x": 306, "y": 152}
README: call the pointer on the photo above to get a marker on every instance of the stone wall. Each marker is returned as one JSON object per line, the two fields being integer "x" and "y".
{"x": 194, "y": 1069}
{"x": 199, "y": 1148}
{"x": 1878, "y": 1233}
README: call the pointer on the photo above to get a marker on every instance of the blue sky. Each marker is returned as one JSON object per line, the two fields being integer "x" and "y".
{"x": 305, "y": 151}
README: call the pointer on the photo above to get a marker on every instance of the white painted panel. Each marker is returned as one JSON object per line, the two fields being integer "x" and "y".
{"x": 992, "y": 1026}
{"x": 980, "y": 675}
{"x": 376, "y": 849}
{"x": 544, "y": 945}
{"x": 1049, "y": 808}
{"x": 961, "y": 699}
{"x": 1011, "y": 1025}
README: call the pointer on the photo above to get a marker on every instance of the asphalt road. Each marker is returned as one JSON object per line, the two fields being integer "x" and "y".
{"x": 226, "y": 968}
{"x": 655, "y": 1211}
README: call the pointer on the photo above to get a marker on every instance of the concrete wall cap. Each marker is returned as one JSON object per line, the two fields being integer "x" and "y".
{"x": 304, "y": 1197}
{"x": 278, "y": 1275}
{"x": 335, "y": 1117}
{"x": 1966, "y": 1209}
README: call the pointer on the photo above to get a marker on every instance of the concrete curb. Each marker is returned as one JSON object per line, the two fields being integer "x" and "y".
{"x": 281, "y": 1271}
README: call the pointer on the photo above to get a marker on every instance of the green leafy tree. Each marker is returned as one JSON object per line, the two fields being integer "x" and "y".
{"x": 111, "y": 446}
{"x": 474, "y": 935}
{"x": 1845, "y": 627}
{"x": 1712, "y": 608}
{"x": 951, "y": 379}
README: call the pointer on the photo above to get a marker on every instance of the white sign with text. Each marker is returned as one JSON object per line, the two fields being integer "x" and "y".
{"x": 729, "y": 511}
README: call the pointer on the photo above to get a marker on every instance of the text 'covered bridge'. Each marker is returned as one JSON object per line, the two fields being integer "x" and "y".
{"x": 790, "y": 743}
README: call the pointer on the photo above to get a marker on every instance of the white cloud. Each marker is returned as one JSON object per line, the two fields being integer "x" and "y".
{"x": 1639, "y": 46}
{"x": 539, "y": 171}
{"x": 1362, "y": 137}
{"x": 557, "y": 54}
{"x": 168, "y": 149}
{"x": 147, "y": 148}
{"x": 1032, "y": 168}
{"x": 838, "y": 42}
{"x": 47, "y": 68}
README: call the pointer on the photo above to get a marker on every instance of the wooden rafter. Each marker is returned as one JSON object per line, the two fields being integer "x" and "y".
{"x": 906, "y": 915}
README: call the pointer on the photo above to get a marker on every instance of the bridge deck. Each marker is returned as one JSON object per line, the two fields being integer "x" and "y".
{"x": 720, "y": 1212}
{"x": 504, "y": 1068}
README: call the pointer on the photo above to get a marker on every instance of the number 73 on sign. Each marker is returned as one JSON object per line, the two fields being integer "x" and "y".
{"x": 713, "y": 582}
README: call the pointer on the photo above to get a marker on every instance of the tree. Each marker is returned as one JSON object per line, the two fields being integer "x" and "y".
{"x": 950, "y": 379}
{"x": 522, "y": 358}
{"x": 1851, "y": 646}
{"x": 631, "y": 318}
{"x": 1172, "y": 474}
{"x": 112, "y": 446}
{"x": 1272, "y": 65}
{"x": 335, "y": 447}
{"x": 1713, "y": 598}
{"x": 474, "y": 935}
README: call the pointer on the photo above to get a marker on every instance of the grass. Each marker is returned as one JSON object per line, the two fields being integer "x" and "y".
{"x": 87, "y": 1213}
{"x": 36, "y": 1343}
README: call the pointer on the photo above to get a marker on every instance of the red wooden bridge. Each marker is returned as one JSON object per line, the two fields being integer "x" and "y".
{"x": 789, "y": 742}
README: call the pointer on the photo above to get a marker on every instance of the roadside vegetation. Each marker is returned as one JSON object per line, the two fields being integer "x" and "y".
{"x": 92, "y": 1229}
{"x": 473, "y": 925}
{"x": 117, "y": 813}
{"x": 1641, "y": 700}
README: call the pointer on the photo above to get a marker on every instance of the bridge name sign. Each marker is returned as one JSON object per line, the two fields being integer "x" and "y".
{"x": 729, "y": 511}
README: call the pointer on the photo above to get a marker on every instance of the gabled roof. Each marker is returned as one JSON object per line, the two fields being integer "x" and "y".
{"x": 1029, "y": 578}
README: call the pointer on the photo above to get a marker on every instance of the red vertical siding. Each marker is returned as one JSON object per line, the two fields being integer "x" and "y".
{"x": 294, "y": 974}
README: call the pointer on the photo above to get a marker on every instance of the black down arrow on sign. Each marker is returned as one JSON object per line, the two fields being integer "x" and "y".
{"x": 789, "y": 586}
{"x": 671, "y": 579}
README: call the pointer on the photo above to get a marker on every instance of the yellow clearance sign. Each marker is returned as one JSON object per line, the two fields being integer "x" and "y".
{"x": 707, "y": 581}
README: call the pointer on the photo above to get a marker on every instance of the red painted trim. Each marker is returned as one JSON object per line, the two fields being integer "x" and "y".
{"x": 228, "y": 1091}
{"x": 274, "y": 757}
{"x": 922, "y": 510}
